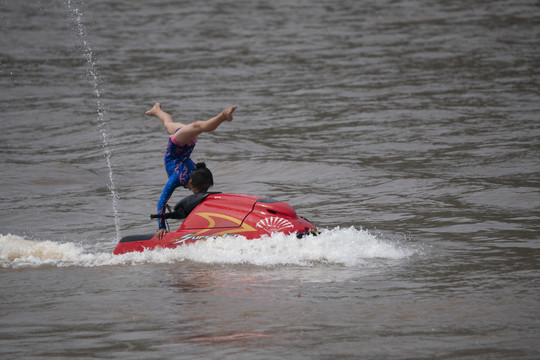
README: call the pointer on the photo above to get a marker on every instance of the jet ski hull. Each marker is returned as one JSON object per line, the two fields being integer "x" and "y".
{"x": 225, "y": 215}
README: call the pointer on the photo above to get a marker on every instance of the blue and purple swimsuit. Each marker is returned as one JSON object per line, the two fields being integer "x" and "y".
{"x": 178, "y": 165}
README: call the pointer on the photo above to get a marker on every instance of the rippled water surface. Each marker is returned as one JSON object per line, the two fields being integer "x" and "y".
{"x": 408, "y": 132}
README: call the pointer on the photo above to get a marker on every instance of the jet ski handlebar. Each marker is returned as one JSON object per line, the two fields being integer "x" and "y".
{"x": 170, "y": 215}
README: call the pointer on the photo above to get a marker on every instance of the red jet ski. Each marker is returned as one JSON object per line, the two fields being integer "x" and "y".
{"x": 216, "y": 214}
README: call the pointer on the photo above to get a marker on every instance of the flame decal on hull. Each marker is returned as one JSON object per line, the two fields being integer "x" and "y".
{"x": 211, "y": 218}
{"x": 212, "y": 223}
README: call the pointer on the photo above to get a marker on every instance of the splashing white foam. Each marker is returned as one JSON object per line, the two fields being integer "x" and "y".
{"x": 349, "y": 247}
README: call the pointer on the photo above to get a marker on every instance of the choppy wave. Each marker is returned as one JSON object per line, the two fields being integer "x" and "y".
{"x": 348, "y": 246}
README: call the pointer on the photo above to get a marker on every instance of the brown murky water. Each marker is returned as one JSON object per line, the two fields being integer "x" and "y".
{"x": 407, "y": 131}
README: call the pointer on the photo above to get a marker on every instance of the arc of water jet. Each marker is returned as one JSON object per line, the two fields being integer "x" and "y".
{"x": 103, "y": 124}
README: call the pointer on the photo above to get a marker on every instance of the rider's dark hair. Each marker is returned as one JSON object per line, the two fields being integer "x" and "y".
{"x": 201, "y": 177}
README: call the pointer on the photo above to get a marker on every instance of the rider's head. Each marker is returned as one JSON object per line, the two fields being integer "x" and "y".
{"x": 201, "y": 179}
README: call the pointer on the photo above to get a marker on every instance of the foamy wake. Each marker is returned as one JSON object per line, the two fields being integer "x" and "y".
{"x": 349, "y": 247}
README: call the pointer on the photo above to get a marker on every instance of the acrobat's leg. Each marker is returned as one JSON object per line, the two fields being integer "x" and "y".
{"x": 165, "y": 118}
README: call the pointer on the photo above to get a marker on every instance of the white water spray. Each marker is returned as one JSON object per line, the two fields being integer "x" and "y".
{"x": 103, "y": 124}
{"x": 348, "y": 247}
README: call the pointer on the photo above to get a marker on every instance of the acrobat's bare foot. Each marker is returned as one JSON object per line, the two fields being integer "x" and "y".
{"x": 154, "y": 110}
{"x": 227, "y": 113}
